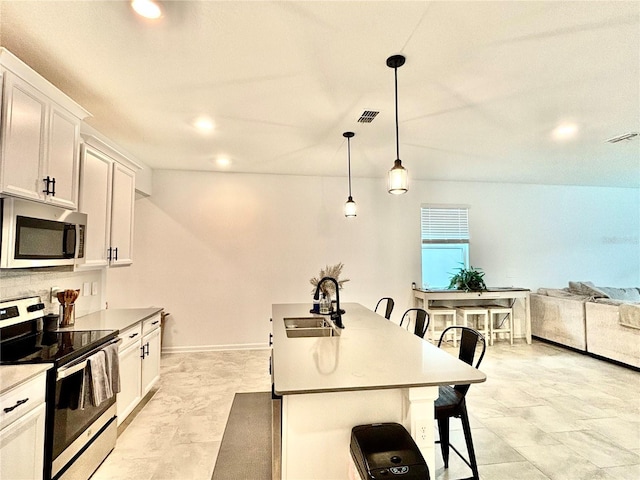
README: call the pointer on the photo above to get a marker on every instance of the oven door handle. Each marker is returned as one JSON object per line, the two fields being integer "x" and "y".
{"x": 65, "y": 372}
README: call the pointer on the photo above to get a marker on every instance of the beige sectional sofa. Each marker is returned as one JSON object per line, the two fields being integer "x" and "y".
{"x": 602, "y": 321}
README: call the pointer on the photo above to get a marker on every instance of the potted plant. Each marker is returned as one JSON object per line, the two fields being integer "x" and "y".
{"x": 470, "y": 279}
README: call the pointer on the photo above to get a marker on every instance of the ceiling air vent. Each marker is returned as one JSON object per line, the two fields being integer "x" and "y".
{"x": 367, "y": 116}
{"x": 624, "y": 136}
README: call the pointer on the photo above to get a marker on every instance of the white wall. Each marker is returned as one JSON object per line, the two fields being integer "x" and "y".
{"x": 216, "y": 250}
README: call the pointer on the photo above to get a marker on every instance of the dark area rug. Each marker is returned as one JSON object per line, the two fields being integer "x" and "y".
{"x": 245, "y": 450}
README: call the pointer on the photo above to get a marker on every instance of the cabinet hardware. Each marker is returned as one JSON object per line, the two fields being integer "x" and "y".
{"x": 133, "y": 335}
{"x": 270, "y": 339}
{"x": 115, "y": 251}
{"x": 109, "y": 254}
{"x": 18, "y": 403}
{"x": 155, "y": 323}
{"x": 142, "y": 348}
{"x": 147, "y": 347}
{"x": 47, "y": 181}
{"x": 53, "y": 191}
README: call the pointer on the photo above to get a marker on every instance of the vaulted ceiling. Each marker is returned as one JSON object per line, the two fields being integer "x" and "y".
{"x": 483, "y": 90}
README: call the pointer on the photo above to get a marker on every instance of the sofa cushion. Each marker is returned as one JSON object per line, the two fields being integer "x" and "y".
{"x": 630, "y": 315}
{"x": 587, "y": 288}
{"x": 562, "y": 293}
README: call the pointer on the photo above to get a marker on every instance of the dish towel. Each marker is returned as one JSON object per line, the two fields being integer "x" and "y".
{"x": 113, "y": 366}
{"x": 97, "y": 383}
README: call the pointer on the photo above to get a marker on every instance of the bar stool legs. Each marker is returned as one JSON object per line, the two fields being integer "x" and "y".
{"x": 500, "y": 321}
{"x": 466, "y": 315}
{"x": 447, "y": 317}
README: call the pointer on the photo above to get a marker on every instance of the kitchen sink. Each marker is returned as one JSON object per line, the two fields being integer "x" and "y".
{"x": 303, "y": 327}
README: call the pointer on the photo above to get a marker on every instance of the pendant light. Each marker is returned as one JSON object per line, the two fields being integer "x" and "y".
{"x": 397, "y": 181}
{"x": 350, "y": 206}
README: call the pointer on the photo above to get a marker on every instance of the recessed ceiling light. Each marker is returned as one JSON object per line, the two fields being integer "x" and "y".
{"x": 203, "y": 124}
{"x": 564, "y": 131}
{"x": 147, "y": 8}
{"x": 223, "y": 162}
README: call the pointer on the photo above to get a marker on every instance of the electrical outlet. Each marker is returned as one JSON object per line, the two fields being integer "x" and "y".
{"x": 94, "y": 288}
{"x": 422, "y": 428}
{"x": 86, "y": 289}
{"x": 53, "y": 297}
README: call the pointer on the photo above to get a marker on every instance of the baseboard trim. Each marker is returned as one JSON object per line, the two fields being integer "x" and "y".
{"x": 216, "y": 348}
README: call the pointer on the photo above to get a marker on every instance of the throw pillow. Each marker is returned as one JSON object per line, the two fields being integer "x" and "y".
{"x": 626, "y": 294}
{"x": 587, "y": 288}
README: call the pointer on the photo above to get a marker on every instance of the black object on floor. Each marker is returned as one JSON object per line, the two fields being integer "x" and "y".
{"x": 245, "y": 450}
{"x": 386, "y": 450}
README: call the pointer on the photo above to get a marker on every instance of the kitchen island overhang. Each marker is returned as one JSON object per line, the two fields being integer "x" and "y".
{"x": 373, "y": 371}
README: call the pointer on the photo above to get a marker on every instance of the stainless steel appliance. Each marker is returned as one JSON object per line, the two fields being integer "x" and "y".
{"x": 38, "y": 235}
{"x": 77, "y": 437}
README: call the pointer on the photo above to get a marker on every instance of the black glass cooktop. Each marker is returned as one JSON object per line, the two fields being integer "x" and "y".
{"x": 56, "y": 347}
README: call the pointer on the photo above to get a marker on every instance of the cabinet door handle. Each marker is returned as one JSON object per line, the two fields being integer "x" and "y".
{"x": 116, "y": 253}
{"x": 18, "y": 403}
{"x": 270, "y": 339}
{"x": 147, "y": 347}
{"x": 53, "y": 190}
{"x": 133, "y": 335}
{"x": 142, "y": 349}
{"x": 47, "y": 181}
{"x": 109, "y": 254}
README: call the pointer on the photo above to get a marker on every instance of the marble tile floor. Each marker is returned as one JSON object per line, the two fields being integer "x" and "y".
{"x": 544, "y": 413}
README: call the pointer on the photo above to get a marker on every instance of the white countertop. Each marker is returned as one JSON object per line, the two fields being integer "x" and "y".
{"x": 13, "y": 375}
{"x": 113, "y": 319}
{"x": 370, "y": 353}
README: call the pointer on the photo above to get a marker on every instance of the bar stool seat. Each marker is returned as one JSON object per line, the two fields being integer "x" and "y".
{"x": 447, "y": 319}
{"x": 469, "y": 314}
{"x": 504, "y": 326}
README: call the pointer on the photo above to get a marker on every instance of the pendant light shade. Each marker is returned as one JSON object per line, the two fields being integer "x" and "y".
{"x": 350, "y": 206}
{"x": 398, "y": 181}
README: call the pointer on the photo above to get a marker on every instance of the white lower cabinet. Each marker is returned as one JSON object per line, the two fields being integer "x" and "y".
{"x": 22, "y": 434}
{"x": 130, "y": 371}
{"x": 150, "y": 353}
{"x": 139, "y": 358}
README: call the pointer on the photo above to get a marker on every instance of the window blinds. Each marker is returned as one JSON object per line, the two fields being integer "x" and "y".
{"x": 445, "y": 224}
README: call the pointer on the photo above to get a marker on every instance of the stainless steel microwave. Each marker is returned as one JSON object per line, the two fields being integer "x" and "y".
{"x": 39, "y": 235}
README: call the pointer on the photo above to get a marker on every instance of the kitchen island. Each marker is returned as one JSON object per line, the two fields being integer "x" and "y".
{"x": 373, "y": 371}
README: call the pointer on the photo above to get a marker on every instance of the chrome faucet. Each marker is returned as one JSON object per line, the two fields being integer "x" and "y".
{"x": 336, "y": 315}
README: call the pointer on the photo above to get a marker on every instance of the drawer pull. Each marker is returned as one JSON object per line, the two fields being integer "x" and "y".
{"x": 155, "y": 323}
{"x": 18, "y": 403}
{"x": 133, "y": 335}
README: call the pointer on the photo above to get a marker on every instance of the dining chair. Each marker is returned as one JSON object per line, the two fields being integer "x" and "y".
{"x": 421, "y": 323}
{"x": 389, "y": 306}
{"x": 451, "y": 399}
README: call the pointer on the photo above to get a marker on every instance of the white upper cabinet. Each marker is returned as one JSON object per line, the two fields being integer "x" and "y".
{"x": 124, "y": 185}
{"x": 40, "y": 133}
{"x": 24, "y": 113}
{"x": 107, "y": 196}
{"x": 95, "y": 200}
{"x": 63, "y": 157}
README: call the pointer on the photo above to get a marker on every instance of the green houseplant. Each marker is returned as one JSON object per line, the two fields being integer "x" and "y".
{"x": 470, "y": 279}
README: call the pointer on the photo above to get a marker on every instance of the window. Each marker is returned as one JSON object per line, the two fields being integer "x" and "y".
{"x": 445, "y": 243}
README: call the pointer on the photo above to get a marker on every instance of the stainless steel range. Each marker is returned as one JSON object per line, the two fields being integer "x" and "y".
{"x": 78, "y": 434}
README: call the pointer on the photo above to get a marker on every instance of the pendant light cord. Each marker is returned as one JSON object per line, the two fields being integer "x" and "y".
{"x": 395, "y": 70}
{"x": 349, "y": 153}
